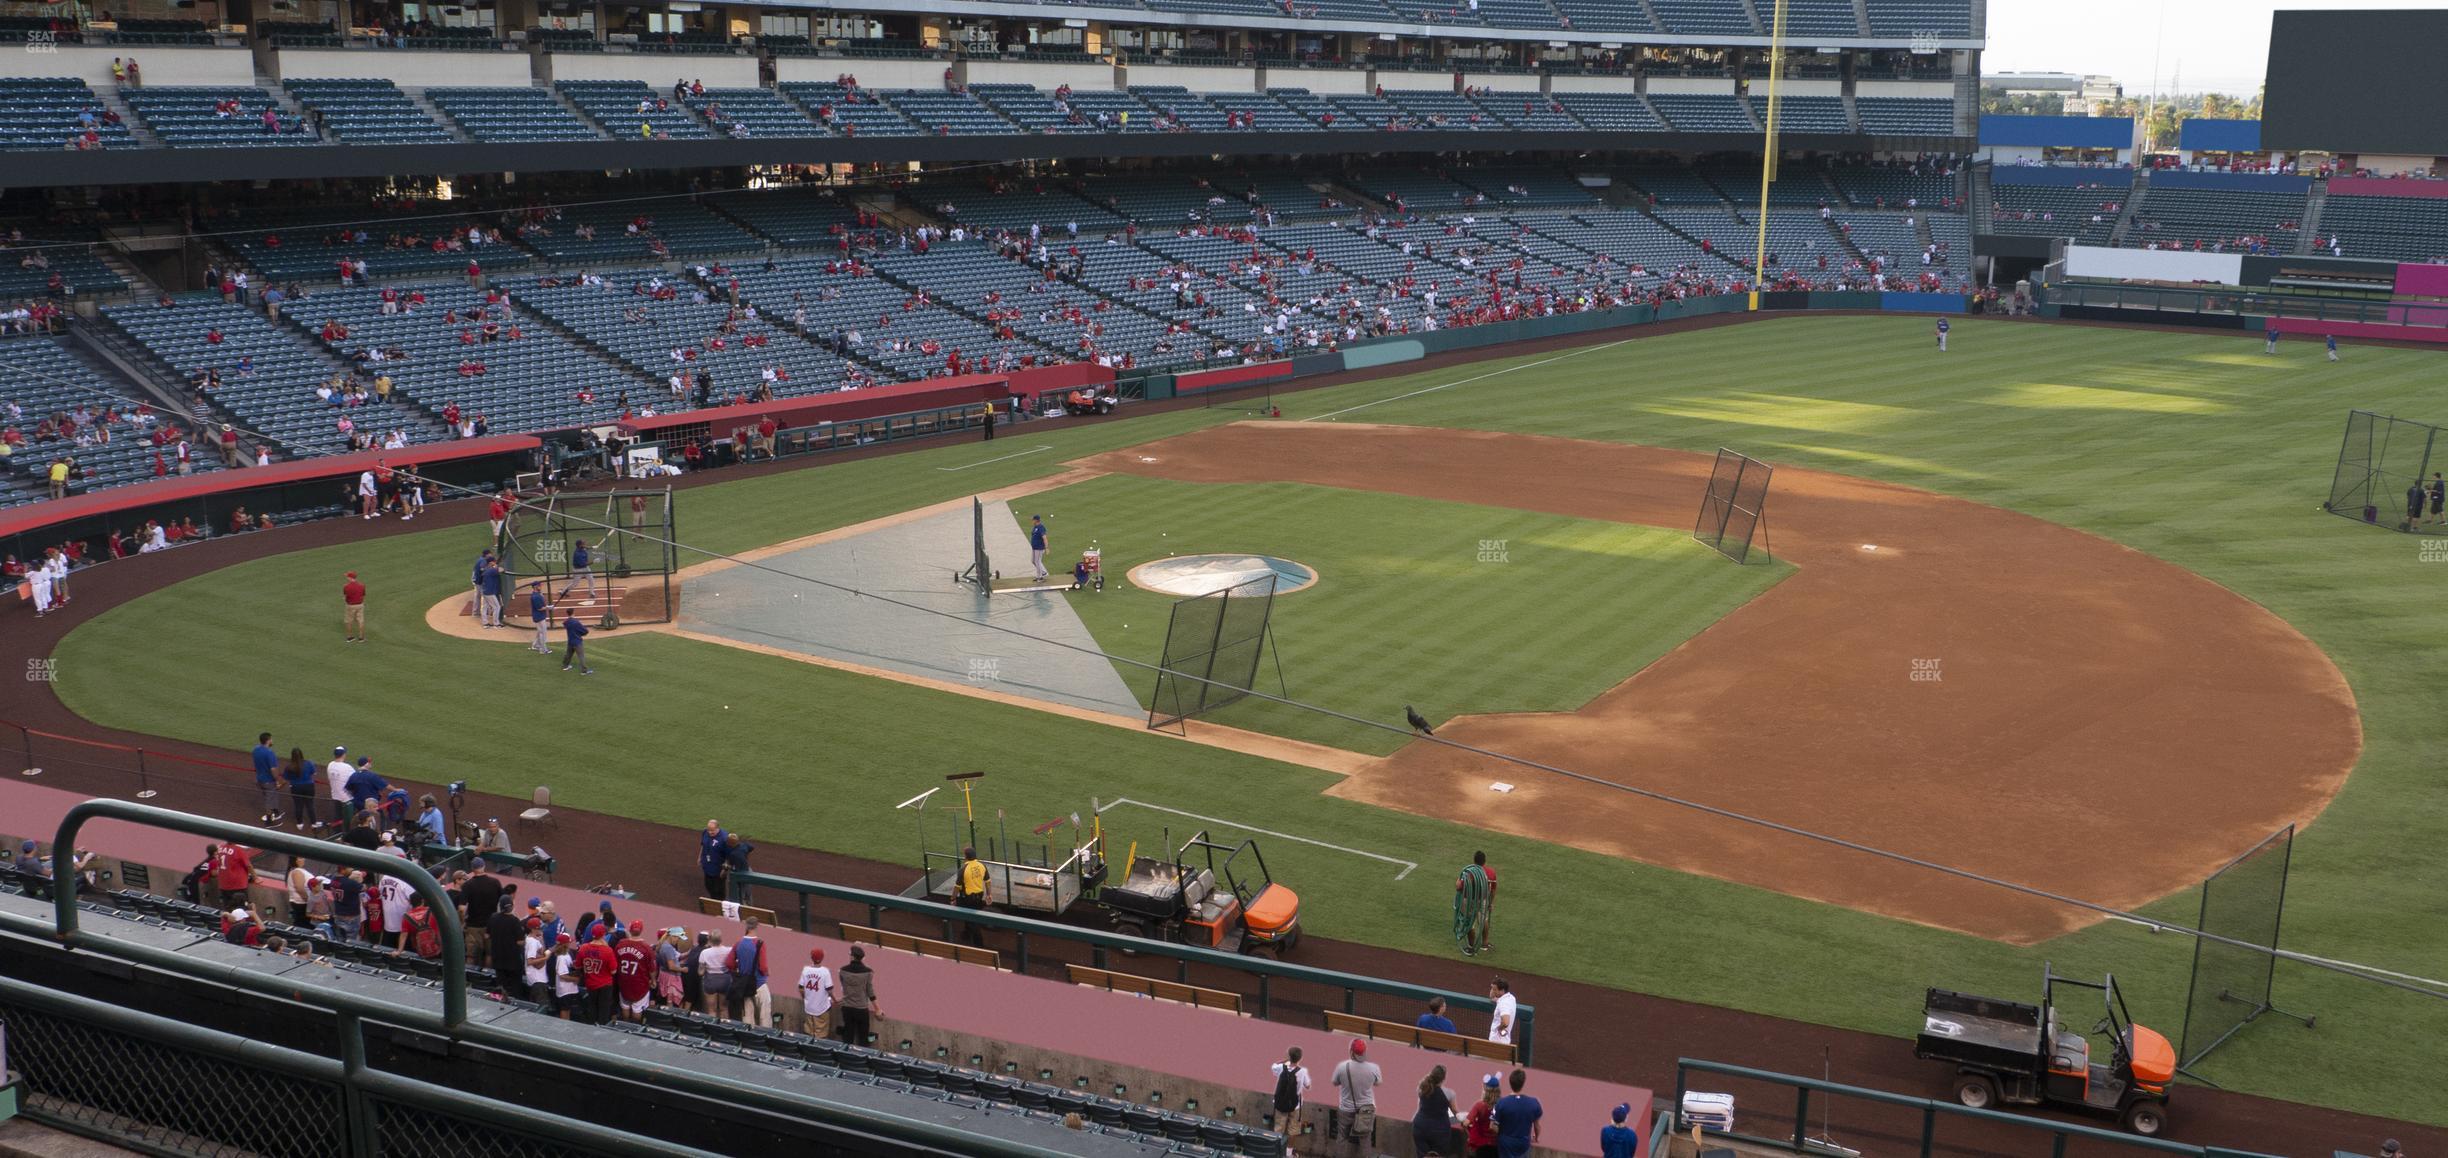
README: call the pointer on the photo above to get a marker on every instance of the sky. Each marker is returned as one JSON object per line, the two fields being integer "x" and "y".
{"x": 2208, "y": 46}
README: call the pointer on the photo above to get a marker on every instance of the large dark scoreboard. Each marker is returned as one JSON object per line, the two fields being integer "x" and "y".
{"x": 2357, "y": 81}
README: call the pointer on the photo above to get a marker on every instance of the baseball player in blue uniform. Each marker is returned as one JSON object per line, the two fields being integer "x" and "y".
{"x": 1942, "y": 333}
{"x": 575, "y": 633}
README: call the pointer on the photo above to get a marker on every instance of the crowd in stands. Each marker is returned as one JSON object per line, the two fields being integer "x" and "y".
{"x": 1013, "y": 273}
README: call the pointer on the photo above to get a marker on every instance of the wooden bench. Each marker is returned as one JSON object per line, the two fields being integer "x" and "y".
{"x": 1173, "y": 991}
{"x": 924, "y": 947}
{"x": 710, "y": 907}
{"x": 1432, "y": 1039}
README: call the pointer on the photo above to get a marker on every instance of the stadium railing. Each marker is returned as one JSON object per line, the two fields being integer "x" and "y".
{"x": 1932, "y": 1113}
{"x": 360, "y": 1082}
{"x": 64, "y": 908}
{"x": 119, "y": 1048}
{"x": 1267, "y": 970}
{"x": 142, "y": 773}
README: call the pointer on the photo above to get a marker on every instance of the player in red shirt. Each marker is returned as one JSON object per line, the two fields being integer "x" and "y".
{"x": 634, "y": 958}
{"x": 597, "y": 969}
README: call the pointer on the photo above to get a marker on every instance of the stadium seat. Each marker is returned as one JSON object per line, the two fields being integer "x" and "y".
{"x": 43, "y": 378}
{"x": 2222, "y": 219}
{"x": 44, "y": 113}
{"x": 847, "y": 112}
{"x": 1907, "y": 18}
{"x": 2397, "y": 228}
{"x": 2081, "y": 211}
{"x": 622, "y": 108}
{"x": 1805, "y": 114}
{"x": 511, "y": 115}
{"x": 1906, "y": 116}
{"x": 367, "y": 112}
{"x": 1704, "y": 112}
{"x": 1704, "y": 17}
{"x": 215, "y": 117}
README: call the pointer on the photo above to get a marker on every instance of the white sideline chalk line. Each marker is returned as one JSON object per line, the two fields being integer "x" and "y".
{"x": 1471, "y": 379}
{"x": 1005, "y": 458}
{"x": 1407, "y": 865}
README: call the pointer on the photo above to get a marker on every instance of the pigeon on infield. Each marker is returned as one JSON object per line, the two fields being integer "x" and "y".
{"x": 1419, "y": 723}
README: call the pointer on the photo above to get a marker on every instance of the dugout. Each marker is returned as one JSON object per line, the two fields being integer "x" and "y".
{"x": 291, "y": 492}
{"x": 848, "y": 409}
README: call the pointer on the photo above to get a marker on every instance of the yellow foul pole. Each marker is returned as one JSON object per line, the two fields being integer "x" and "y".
{"x": 1768, "y": 155}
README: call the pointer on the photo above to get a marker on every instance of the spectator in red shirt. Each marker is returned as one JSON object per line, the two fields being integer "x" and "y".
{"x": 233, "y": 872}
{"x": 352, "y": 609}
{"x": 598, "y": 969}
{"x": 635, "y": 967}
{"x": 241, "y": 927}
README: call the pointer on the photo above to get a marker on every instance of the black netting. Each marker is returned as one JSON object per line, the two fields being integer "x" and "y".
{"x": 2381, "y": 459}
{"x": 2232, "y": 983}
{"x": 1734, "y": 505}
{"x": 1212, "y": 649}
{"x": 170, "y": 1099}
{"x": 631, "y": 552}
{"x": 403, "y": 1131}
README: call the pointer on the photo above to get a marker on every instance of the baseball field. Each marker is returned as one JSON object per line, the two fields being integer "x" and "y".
{"x": 2056, "y": 607}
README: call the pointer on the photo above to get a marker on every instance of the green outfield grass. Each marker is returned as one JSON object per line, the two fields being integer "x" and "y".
{"x": 2193, "y": 448}
{"x": 1485, "y": 608}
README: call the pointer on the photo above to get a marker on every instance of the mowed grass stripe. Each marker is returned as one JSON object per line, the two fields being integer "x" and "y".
{"x": 1452, "y": 607}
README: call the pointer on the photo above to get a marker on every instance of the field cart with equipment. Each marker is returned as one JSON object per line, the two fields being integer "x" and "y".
{"x": 1198, "y": 897}
{"x": 2018, "y": 1054}
{"x": 1039, "y": 877}
{"x": 1216, "y": 896}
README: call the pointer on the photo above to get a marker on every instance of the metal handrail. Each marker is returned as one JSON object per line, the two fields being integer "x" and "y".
{"x": 437, "y": 900}
{"x": 1930, "y": 1109}
{"x": 585, "y": 1058}
{"x": 1266, "y": 969}
{"x": 350, "y": 1072}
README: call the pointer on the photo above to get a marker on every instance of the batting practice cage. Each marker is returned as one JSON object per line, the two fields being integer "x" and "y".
{"x": 2232, "y": 983}
{"x": 631, "y": 554}
{"x": 1735, "y": 507}
{"x": 1212, "y": 650}
{"x": 2381, "y": 458}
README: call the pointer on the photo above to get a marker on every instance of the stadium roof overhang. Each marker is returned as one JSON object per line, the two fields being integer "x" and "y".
{"x": 159, "y": 166}
{"x": 1142, "y": 18}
